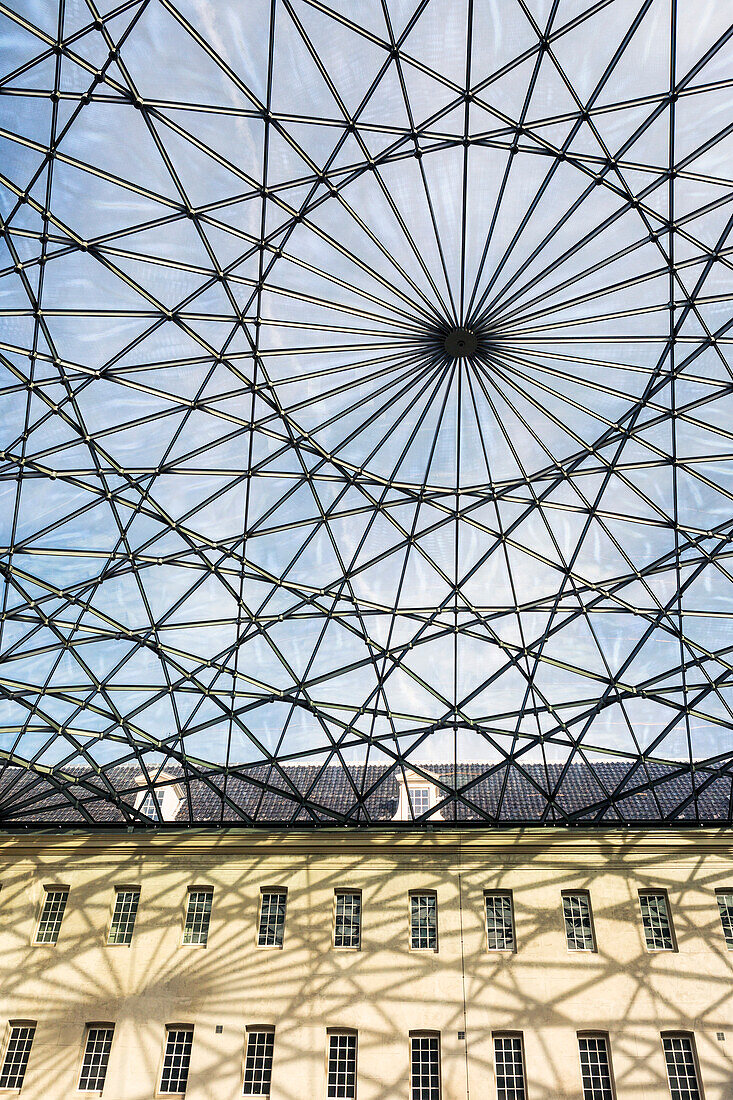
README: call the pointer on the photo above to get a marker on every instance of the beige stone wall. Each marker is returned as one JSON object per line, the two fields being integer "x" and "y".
{"x": 384, "y": 990}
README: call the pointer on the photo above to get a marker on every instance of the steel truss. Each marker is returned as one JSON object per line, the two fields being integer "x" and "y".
{"x": 367, "y": 387}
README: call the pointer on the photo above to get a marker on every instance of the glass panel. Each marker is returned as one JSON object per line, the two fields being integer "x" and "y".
{"x": 725, "y": 907}
{"x": 196, "y": 929}
{"x": 655, "y": 917}
{"x": 425, "y": 1067}
{"x": 347, "y": 930}
{"x": 176, "y": 1060}
{"x": 258, "y": 1063}
{"x": 49, "y": 925}
{"x": 509, "y": 1064}
{"x": 499, "y": 922}
{"x": 123, "y": 918}
{"x": 16, "y": 1058}
{"x": 595, "y": 1067}
{"x": 96, "y": 1059}
{"x": 341, "y": 1066}
{"x": 681, "y": 1070}
{"x": 423, "y": 921}
{"x": 578, "y": 928}
{"x": 272, "y": 919}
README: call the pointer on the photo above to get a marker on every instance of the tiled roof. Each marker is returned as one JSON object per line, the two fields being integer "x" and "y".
{"x": 306, "y": 795}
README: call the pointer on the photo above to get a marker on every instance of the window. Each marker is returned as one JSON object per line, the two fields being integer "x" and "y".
{"x": 595, "y": 1067}
{"x": 177, "y": 1058}
{"x": 198, "y": 915}
{"x": 420, "y": 800}
{"x": 96, "y": 1057}
{"x": 424, "y": 1066}
{"x": 347, "y": 926}
{"x": 509, "y": 1065}
{"x": 272, "y": 918}
{"x": 17, "y": 1054}
{"x": 578, "y": 922}
{"x": 679, "y": 1054}
{"x": 258, "y": 1061}
{"x": 127, "y": 900}
{"x": 148, "y": 807}
{"x": 341, "y": 1065}
{"x": 424, "y": 922}
{"x": 655, "y": 918}
{"x": 52, "y": 915}
{"x": 725, "y": 905}
{"x": 499, "y": 922}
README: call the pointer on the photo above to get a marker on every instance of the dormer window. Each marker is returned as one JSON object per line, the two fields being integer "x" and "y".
{"x": 417, "y": 797}
{"x": 168, "y": 800}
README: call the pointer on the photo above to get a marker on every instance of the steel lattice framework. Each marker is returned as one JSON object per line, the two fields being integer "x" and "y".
{"x": 366, "y": 376}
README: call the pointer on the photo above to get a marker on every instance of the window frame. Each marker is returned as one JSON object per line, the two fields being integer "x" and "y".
{"x": 353, "y": 1033}
{"x": 594, "y": 1033}
{"x": 690, "y": 1035}
{"x": 723, "y": 891}
{"x": 94, "y": 1025}
{"x": 593, "y": 949}
{"x": 420, "y": 893}
{"x": 50, "y": 888}
{"x": 255, "y": 1029}
{"x": 168, "y": 1028}
{"x": 12, "y": 1025}
{"x": 504, "y": 1033}
{"x": 264, "y": 891}
{"x": 500, "y": 950}
{"x": 654, "y": 892}
{"x": 427, "y": 1033}
{"x": 117, "y": 890}
{"x": 190, "y": 890}
{"x": 346, "y": 890}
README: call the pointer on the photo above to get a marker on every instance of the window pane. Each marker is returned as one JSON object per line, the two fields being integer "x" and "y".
{"x": 725, "y": 905}
{"x": 423, "y": 921}
{"x": 347, "y": 929}
{"x": 96, "y": 1058}
{"x": 178, "y": 1043}
{"x": 657, "y": 929}
{"x": 576, "y": 909}
{"x": 123, "y": 918}
{"x": 342, "y": 1066}
{"x": 425, "y": 1067}
{"x": 258, "y": 1063}
{"x": 499, "y": 922}
{"x": 196, "y": 929}
{"x": 272, "y": 919}
{"x": 595, "y": 1067}
{"x": 16, "y": 1056}
{"x": 681, "y": 1071}
{"x": 52, "y": 915}
{"x": 148, "y": 807}
{"x": 509, "y": 1062}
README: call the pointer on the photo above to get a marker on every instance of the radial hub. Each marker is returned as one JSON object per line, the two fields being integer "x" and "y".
{"x": 461, "y": 343}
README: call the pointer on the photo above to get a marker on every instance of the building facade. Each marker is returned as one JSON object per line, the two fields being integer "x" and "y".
{"x": 386, "y": 964}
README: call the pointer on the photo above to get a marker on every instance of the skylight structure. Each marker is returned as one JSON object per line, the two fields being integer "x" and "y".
{"x": 366, "y": 389}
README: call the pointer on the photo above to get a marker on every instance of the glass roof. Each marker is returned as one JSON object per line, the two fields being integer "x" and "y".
{"x": 366, "y": 390}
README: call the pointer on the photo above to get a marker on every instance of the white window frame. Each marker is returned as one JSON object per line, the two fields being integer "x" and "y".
{"x": 408, "y": 782}
{"x": 668, "y": 910}
{"x": 191, "y": 924}
{"x": 10, "y": 1036}
{"x": 507, "y": 896}
{"x": 727, "y": 916}
{"x": 413, "y": 897}
{"x": 119, "y": 892}
{"x": 343, "y": 892}
{"x": 172, "y": 1029}
{"x": 596, "y": 1091}
{"x": 332, "y": 1091}
{"x": 251, "y": 1031}
{"x": 431, "y": 1093}
{"x": 90, "y": 1035}
{"x": 572, "y": 943}
{"x": 518, "y": 1038}
{"x": 688, "y": 1037}
{"x": 266, "y": 891}
{"x": 48, "y": 891}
